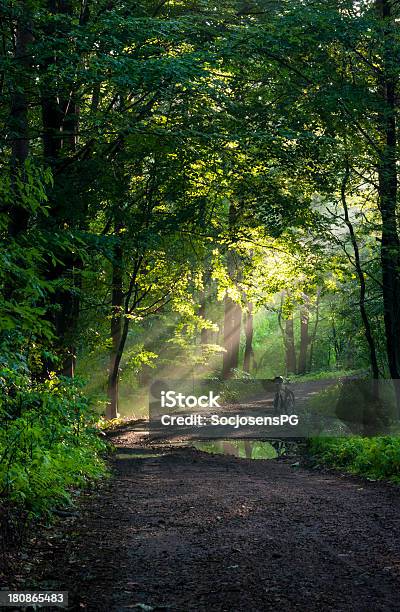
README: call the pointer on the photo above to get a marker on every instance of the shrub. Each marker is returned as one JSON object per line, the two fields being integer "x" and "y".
{"x": 48, "y": 440}
{"x": 376, "y": 458}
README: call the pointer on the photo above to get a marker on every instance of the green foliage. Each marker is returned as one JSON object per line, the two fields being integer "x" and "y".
{"x": 375, "y": 458}
{"x": 324, "y": 402}
{"x": 22, "y": 286}
{"x": 166, "y": 155}
{"x": 110, "y": 424}
{"x": 49, "y": 444}
{"x": 326, "y": 374}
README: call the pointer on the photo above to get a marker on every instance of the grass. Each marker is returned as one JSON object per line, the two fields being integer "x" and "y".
{"x": 325, "y": 374}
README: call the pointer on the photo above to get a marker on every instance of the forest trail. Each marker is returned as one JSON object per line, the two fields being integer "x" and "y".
{"x": 177, "y": 529}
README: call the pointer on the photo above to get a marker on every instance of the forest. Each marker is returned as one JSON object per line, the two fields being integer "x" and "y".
{"x": 190, "y": 189}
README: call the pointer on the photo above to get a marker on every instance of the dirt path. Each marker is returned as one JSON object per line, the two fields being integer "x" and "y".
{"x": 177, "y": 529}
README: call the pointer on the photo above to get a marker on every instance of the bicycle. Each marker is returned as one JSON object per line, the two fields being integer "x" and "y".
{"x": 284, "y": 399}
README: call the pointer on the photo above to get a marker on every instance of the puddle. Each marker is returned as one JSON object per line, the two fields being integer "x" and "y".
{"x": 244, "y": 449}
{"x": 249, "y": 449}
{"x": 138, "y": 455}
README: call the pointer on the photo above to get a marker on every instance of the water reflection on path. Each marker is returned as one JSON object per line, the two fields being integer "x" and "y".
{"x": 247, "y": 449}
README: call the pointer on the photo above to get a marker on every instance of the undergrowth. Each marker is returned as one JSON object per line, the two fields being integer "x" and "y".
{"x": 376, "y": 458}
{"x": 49, "y": 442}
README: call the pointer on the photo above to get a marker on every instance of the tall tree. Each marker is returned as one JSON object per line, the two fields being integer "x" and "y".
{"x": 249, "y": 332}
{"x": 117, "y": 306}
{"x": 286, "y": 324}
{"x": 388, "y": 185}
{"x": 304, "y": 338}
{"x": 232, "y": 309}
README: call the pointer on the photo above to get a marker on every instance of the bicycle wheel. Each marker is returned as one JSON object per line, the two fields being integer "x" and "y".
{"x": 278, "y": 402}
{"x": 289, "y": 401}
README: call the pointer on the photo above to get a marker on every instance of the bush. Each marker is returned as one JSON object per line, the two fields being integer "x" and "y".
{"x": 376, "y": 458}
{"x": 48, "y": 440}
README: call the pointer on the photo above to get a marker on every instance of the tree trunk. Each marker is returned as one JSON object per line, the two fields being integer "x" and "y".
{"x": 67, "y": 317}
{"x": 304, "y": 339}
{"x": 248, "y": 449}
{"x": 117, "y": 304}
{"x": 60, "y": 122}
{"x": 361, "y": 279}
{"x": 388, "y": 187}
{"x": 230, "y": 449}
{"x": 336, "y": 344}
{"x": 202, "y": 314}
{"x": 290, "y": 350}
{"x": 314, "y": 333}
{"x": 232, "y": 327}
{"x": 249, "y": 332}
{"x": 112, "y": 407}
{"x": 287, "y": 332}
{"x": 232, "y": 314}
{"x": 205, "y": 333}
